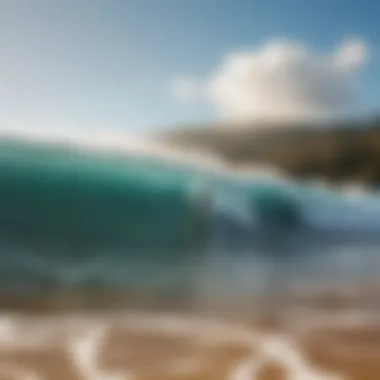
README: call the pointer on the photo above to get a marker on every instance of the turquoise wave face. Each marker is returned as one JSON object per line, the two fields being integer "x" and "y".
{"x": 72, "y": 217}
{"x": 81, "y": 200}
{"x": 58, "y": 197}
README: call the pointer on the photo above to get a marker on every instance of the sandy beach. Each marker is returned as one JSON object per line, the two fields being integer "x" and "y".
{"x": 314, "y": 340}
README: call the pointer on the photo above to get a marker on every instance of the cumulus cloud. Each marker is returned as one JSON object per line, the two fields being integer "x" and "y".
{"x": 284, "y": 80}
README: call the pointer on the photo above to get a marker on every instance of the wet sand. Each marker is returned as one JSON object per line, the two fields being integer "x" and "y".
{"x": 314, "y": 340}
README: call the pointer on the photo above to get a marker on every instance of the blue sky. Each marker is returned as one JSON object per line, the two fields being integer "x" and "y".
{"x": 108, "y": 64}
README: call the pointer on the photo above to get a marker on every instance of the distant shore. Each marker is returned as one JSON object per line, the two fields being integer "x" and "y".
{"x": 347, "y": 152}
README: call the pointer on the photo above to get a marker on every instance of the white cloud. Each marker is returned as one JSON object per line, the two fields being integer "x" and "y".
{"x": 351, "y": 54}
{"x": 284, "y": 80}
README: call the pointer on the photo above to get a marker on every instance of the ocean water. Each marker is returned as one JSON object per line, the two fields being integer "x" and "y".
{"x": 75, "y": 221}
{"x": 177, "y": 247}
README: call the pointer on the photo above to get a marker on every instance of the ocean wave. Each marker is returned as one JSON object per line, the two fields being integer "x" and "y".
{"x": 71, "y": 216}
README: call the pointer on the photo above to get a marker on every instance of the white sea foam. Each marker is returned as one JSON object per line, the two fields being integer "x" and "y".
{"x": 84, "y": 339}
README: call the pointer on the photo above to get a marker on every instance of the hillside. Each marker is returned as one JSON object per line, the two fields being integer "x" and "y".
{"x": 338, "y": 153}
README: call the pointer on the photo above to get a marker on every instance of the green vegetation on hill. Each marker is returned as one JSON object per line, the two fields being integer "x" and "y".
{"x": 341, "y": 153}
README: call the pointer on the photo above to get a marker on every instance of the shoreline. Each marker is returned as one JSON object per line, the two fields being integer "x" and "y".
{"x": 179, "y": 344}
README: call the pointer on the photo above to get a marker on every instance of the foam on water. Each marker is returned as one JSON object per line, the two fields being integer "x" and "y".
{"x": 83, "y": 339}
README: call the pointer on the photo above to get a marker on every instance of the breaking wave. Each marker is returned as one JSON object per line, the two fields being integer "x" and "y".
{"x": 77, "y": 215}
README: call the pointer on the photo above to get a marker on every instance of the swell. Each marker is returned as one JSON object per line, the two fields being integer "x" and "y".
{"x": 74, "y": 222}
{"x": 75, "y": 219}
{"x": 76, "y": 201}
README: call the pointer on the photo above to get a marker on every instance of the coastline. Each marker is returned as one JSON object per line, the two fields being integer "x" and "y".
{"x": 326, "y": 341}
